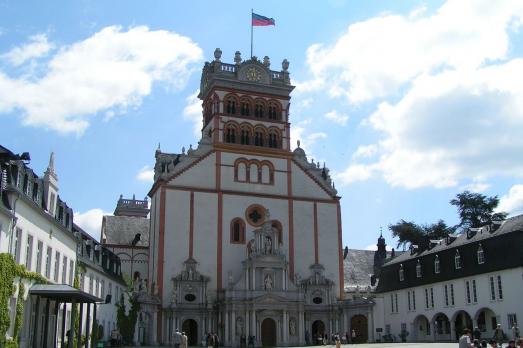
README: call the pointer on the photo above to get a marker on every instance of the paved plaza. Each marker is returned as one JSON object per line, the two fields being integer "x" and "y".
{"x": 392, "y": 345}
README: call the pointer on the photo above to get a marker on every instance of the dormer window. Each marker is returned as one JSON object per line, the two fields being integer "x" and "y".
{"x": 436, "y": 265}
{"x": 481, "y": 255}
{"x": 457, "y": 260}
{"x": 418, "y": 270}
{"x": 401, "y": 273}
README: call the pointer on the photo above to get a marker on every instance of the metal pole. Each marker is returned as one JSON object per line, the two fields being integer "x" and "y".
{"x": 95, "y": 337}
{"x": 70, "y": 337}
{"x": 56, "y": 323}
{"x": 87, "y": 325}
{"x": 64, "y": 315}
{"x": 252, "y": 12}
{"x": 35, "y": 331}
{"x": 46, "y": 323}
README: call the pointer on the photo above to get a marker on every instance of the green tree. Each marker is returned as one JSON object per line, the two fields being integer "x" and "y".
{"x": 409, "y": 233}
{"x": 476, "y": 210}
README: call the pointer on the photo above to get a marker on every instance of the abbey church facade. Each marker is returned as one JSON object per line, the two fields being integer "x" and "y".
{"x": 245, "y": 236}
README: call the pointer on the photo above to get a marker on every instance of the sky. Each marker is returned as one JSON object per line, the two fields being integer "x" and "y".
{"x": 408, "y": 103}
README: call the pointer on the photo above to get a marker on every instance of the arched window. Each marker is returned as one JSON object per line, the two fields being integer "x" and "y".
{"x": 230, "y": 134}
{"x": 259, "y": 109}
{"x": 241, "y": 172}
{"x": 274, "y": 111}
{"x": 245, "y": 107}
{"x": 401, "y": 273}
{"x": 481, "y": 255}
{"x": 274, "y": 138}
{"x": 237, "y": 231}
{"x": 231, "y": 104}
{"x": 418, "y": 270}
{"x": 457, "y": 260}
{"x": 245, "y": 135}
{"x": 265, "y": 174}
{"x": 259, "y": 137}
{"x": 436, "y": 265}
{"x": 253, "y": 173}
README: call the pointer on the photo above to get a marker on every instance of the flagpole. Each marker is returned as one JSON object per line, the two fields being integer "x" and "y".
{"x": 251, "y": 30}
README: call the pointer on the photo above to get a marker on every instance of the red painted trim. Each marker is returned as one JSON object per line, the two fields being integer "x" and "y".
{"x": 240, "y": 93}
{"x": 251, "y": 194}
{"x": 161, "y": 250}
{"x": 191, "y": 226}
{"x": 219, "y": 227}
{"x": 160, "y": 182}
{"x": 340, "y": 254}
{"x": 290, "y": 209}
{"x": 316, "y": 254}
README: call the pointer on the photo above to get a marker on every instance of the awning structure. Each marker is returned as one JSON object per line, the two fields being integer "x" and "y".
{"x": 63, "y": 294}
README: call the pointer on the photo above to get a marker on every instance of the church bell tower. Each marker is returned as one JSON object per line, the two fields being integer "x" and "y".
{"x": 246, "y": 104}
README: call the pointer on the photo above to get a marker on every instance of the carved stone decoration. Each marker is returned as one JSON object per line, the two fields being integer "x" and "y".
{"x": 237, "y": 58}
{"x": 285, "y": 65}
{"x": 268, "y": 245}
{"x": 267, "y": 282}
{"x": 266, "y": 61}
{"x": 239, "y": 326}
{"x": 292, "y": 326}
{"x": 217, "y": 54}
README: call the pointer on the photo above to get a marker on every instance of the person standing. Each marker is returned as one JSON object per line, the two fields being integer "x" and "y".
{"x": 353, "y": 336}
{"x": 215, "y": 340}
{"x": 184, "y": 340}
{"x": 499, "y": 335}
{"x": 515, "y": 332}
{"x": 337, "y": 340}
{"x": 177, "y": 339}
{"x": 464, "y": 340}
{"x": 476, "y": 333}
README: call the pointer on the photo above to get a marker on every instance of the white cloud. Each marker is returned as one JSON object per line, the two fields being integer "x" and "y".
{"x": 377, "y": 57}
{"x": 337, "y": 117}
{"x": 512, "y": 202}
{"x": 301, "y": 132}
{"x": 450, "y": 127}
{"x": 365, "y": 151}
{"x": 145, "y": 174}
{"x": 38, "y": 46}
{"x": 193, "y": 113}
{"x": 111, "y": 69}
{"x": 91, "y": 221}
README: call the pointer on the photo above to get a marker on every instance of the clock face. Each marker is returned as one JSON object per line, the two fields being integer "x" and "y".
{"x": 253, "y": 74}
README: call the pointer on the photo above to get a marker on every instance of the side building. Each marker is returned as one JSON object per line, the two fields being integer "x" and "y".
{"x": 465, "y": 281}
{"x": 37, "y": 229}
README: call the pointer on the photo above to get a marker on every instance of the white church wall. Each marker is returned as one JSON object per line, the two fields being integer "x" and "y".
{"x": 205, "y": 234}
{"x": 303, "y": 237}
{"x": 201, "y": 175}
{"x": 304, "y": 186}
{"x": 176, "y": 237}
{"x": 153, "y": 236}
{"x": 328, "y": 248}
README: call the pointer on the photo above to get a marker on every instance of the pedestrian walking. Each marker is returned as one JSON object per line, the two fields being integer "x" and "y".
{"x": 499, "y": 335}
{"x": 177, "y": 339}
{"x": 464, "y": 340}
{"x": 184, "y": 340}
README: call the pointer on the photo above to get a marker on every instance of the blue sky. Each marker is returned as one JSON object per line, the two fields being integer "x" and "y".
{"x": 408, "y": 103}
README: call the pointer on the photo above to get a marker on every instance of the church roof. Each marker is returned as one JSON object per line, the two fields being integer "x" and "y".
{"x": 358, "y": 267}
{"x": 122, "y": 229}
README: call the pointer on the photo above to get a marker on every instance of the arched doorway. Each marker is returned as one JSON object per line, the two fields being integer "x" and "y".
{"x": 462, "y": 320}
{"x": 359, "y": 324}
{"x": 421, "y": 329}
{"x": 487, "y": 321}
{"x": 318, "y": 331}
{"x": 441, "y": 327}
{"x": 268, "y": 333}
{"x": 190, "y": 327}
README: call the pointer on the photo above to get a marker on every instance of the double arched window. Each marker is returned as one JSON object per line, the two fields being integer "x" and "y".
{"x": 246, "y": 106}
{"x": 274, "y": 111}
{"x": 231, "y": 131}
{"x": 237, "y": 231}
{"x": 231, "y": 104}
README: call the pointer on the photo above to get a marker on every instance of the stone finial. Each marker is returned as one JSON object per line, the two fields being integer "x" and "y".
{"x": 299, "y": 143}
{"x": 50, "y": 167}
{"x": 285, "y": 65}
{"x": 217, "y": 54}
{"x": 183, "y": 150}
{"x": 237, "y": 57}
{"x": 267, "y": 215}
{"x": 266, "y": 61}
